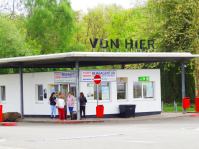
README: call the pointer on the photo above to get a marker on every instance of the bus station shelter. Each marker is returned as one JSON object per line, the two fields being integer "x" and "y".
{"x": 86, "y": 59}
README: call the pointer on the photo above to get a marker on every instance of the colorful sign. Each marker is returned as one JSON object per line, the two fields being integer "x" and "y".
{"x": 144, "y": 78}
{"x": 106, "y": 75}
{"x": 105, "y": 92}
{"x": 65, "y": 77}
{"x": 90, "y": 92}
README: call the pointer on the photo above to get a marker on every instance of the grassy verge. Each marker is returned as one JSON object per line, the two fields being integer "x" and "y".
{"x": 170, "y": 107}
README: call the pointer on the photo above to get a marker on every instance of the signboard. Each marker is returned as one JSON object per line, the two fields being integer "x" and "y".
{"x": 65, "y": 77}
{"x": 106, "y": 75}
{"x": 143, "y": 78}
{"x": 105, "y": 92}
{"x": 90, "y": 92}
{"x": 97, "y": 79}
{"x": 149, "y": 89}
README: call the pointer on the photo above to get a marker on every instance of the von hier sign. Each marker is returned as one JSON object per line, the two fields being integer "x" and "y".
{"x": 142, "y": 44}
{"x": 143, "y": 78}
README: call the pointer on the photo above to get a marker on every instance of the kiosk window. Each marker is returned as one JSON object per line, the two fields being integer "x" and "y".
{"x": 121, "y": 87}
{"x": 40, "y": 92}
{"x": 103, "y": 91}
{"x": 148, "y": 90}
{"x": 143, "y": 90}
{"x": 137, "y": 90}
{"x": 3, "y": 93}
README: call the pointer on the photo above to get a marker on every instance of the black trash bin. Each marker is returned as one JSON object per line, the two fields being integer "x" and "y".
{"x": 127, "y": 110}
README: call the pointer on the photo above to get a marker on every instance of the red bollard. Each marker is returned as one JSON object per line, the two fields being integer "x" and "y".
{"x": 1, "y": 113}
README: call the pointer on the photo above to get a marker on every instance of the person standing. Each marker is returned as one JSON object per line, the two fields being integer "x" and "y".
{"x": 61, "y": 104}
{"x": 82, "y": 104}
{"x": 63, "y": 97}
{"x": 70, "y": 102}
{"x": 53, "y": 104}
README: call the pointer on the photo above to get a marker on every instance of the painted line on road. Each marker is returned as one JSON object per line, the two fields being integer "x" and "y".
{"x": 4, "y": 147}
{"x": 148, "y": 142}
{"x": 72, "y": 138}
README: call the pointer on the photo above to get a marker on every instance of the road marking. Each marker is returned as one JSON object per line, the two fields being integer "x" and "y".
{"x": 148, "y": 142}
{"x": 72, "y": 138}
{"x": 3, "y": 147}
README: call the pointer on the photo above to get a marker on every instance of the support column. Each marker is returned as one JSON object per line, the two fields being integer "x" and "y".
{"x": 21, "y": 91}
{"x": 77, "y": 90}
{"x": 183, "y": 83}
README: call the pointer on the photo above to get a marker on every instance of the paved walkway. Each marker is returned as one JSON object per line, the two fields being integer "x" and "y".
{"x": 164, "y": 115}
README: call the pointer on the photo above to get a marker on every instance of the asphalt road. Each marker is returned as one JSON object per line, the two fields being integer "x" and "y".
{"x": 172, "y": 133}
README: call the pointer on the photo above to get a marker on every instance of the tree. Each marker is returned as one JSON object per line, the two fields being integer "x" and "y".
{"x": 51, "y": 24}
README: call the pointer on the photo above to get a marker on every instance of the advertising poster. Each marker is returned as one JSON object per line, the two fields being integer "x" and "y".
{"x": 90, "y": 93}
{"x": 106, "y": 75}
{"x": 65, "y": 77}
{"x": 105, "y": 92}
{"x": 149, "y": 89}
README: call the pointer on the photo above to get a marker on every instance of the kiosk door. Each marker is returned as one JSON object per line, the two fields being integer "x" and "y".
{"x": 64, "y": 89}
{"x": 54, "y": 88}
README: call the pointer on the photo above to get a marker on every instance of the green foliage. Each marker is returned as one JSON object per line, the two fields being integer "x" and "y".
{"x": 170, "y": 107}
{"x": 51, "y": 25}
{"x": 12, "y": 41}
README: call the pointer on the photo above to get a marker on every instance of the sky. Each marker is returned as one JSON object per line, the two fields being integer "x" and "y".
{"x": 85, "y": 4}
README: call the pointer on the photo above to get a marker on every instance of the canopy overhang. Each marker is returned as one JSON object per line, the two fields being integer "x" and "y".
{"x": 85, "y": 59}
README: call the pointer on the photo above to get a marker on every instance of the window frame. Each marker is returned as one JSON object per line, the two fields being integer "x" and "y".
{"x": 37, "y": 93}
{"x": 1, "y": 99}
{"x": 142, "y": 90}
{"x": 125, "y": 80}
{"x": 99, "y": 92}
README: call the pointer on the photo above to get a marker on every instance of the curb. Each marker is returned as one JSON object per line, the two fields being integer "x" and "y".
{"x": 8, "y": 124}
{"x": 77, "y": 122}
{"x": 194, "y": 115}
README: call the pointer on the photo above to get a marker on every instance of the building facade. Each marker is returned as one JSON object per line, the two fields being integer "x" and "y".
{"x": 141, "y": 87}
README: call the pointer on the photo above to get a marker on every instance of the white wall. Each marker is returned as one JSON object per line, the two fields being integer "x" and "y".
{"x": 32, "y": 107}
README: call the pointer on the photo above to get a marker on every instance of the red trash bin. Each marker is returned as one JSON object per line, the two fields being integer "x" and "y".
{"x": 1, "y": 113}
{"x": 186, "y": 102}
{"x": 100, "y": 111}
{"x": 197, "y": 104}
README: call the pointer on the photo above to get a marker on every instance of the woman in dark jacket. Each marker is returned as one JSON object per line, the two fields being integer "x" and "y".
{"x": 53, "y": 104}
{"x": 82, "y": 104}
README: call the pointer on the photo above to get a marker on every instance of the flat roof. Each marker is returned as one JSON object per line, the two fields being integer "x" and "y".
{"x": 68, "y": 60}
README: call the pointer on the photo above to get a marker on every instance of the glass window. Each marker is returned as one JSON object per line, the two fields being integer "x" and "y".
{"x": 143, "y": 89}
{"x": 137, "y": 90}
{"x": 54, "y": 88}
{"x": 148, "y": 90}
{"x": 121, "y": 87}
{"x": 103, "y": 91}
{"x": 72, "y": 89}
{"x": 40, "y": 92}
{"x": 3, "y": 93}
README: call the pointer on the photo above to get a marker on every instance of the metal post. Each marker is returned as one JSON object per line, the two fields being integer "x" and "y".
{"x": 21, "y": 91}
{"x": 97, "y": 93}
{"x": 183, "y": 83}
{"x": 77, "y": 89}
{"x": 176, "y": 108}
{"x": 162, "y": 106}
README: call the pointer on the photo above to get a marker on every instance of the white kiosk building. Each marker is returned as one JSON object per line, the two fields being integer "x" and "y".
{"x": 29, "y": 93}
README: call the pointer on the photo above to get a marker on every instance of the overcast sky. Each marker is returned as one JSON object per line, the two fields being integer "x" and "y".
{"x": 85, "y": 4}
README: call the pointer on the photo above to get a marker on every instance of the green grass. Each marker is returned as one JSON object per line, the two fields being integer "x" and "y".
{"x": 170, "y": 107}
